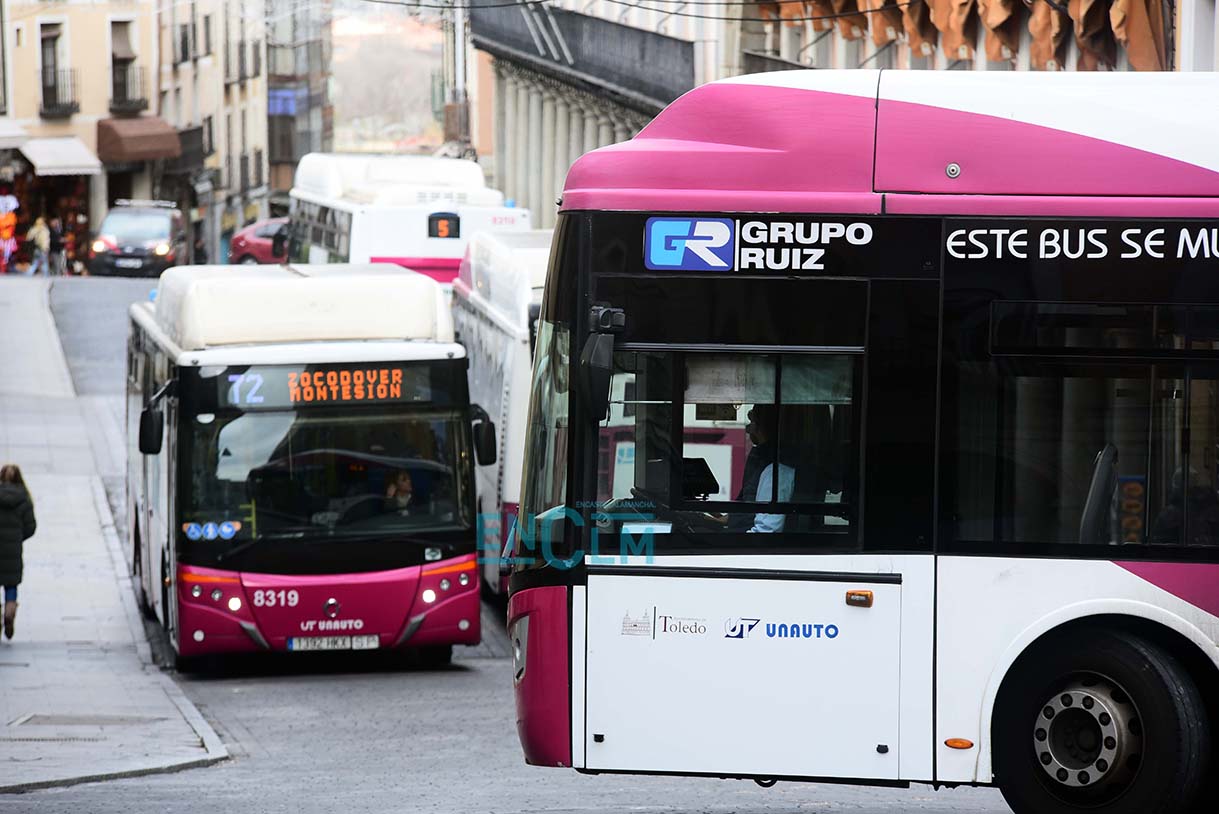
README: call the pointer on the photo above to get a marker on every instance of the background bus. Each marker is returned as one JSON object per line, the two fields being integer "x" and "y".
{"x": 300, "y": 471}
{"x": 496, "y": 298}
{"x": 984, "y": 543}
{"x": 414, "y": 211}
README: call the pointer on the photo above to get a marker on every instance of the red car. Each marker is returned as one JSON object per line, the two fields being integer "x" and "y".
{"x": 253, "y": 244}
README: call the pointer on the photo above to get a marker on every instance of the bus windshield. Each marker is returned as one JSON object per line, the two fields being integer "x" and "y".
{"x": 285, "y": 474}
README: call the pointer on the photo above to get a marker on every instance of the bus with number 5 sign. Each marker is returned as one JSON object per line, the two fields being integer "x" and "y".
{"x": 969, "y": 325}
{"x": 414, "y": 211}
{"x": 301, "y": 462}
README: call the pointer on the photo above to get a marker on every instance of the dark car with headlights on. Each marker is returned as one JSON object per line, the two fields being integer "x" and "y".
{"x": 138, "y": 239}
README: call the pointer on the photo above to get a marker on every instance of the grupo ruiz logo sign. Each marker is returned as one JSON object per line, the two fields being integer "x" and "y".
{"x": 727, "y": 244}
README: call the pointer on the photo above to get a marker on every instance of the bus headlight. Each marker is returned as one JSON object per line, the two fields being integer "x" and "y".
{"x": 217, "y": 594}
{"x": 234, "y": 603}
{"x": 196, "y": 591}
{"x": 445, "y": 584}
{"x": 429, "y": 596}
{"x": 464, "y": 580}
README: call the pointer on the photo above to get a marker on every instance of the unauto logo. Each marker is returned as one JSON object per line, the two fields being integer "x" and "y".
{"x": 689, "y": 244}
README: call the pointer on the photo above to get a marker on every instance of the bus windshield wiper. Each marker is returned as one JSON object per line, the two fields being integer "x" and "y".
{"x": 253, "y": 541}
{"x": 308, "y": 539}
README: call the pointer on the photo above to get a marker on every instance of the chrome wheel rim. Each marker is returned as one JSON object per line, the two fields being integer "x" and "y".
{"x": 1088, "y": 737}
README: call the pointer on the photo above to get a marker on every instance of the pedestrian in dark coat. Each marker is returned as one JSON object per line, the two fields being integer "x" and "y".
{"x": 16, "y": 526}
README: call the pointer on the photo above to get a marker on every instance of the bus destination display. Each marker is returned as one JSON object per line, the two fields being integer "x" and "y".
{"x": 270, "y": 387}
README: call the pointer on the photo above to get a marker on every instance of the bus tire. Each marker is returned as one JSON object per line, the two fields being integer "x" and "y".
{"x": 165, "y": 597}
{"x": 1105, "y": 722}
{"x": 436, "y": 656}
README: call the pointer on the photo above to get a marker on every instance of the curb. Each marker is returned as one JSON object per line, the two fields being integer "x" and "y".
{"x": 215, "y": 748}
{"x": 64, "y": 369}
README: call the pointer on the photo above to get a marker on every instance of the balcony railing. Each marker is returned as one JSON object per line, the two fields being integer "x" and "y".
{"x": 58, "y": 93}
{"x": 245, "y": 172}
{"x": 255, "y": 58}
{"x": 243, "y": 61}
{"x": 129, "y": 89}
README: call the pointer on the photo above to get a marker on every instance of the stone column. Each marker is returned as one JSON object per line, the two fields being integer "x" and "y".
{"x": 544, "y": 207}
{"x": 575, "y": 134}
{"x": 562, "y": 151}
{"x": 590, "y": 130}
{"x": 605, "y": 130}
{"x": 99, "y": 202}
{"x": 505, "y": 99}
{"x": 533, "y": 164}
{"x": 621, "y": 132}
{"x": 520, "y": 148}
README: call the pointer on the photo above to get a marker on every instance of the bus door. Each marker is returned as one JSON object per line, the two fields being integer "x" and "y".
{"x": 735, "y": 623}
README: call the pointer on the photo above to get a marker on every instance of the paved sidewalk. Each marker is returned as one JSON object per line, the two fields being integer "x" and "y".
{"x": 79, "y": 697}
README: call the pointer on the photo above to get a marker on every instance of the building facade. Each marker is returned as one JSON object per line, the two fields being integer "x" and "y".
{"x": 300, "y": 116}
{"x": 212, "y": 88}
{"x": 77, "y": 90}
{"x": 551, "y": 81}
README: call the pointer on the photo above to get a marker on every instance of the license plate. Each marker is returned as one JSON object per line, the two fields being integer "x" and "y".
{"x": 334, "y": 643}
{"x": 129, "y": 262}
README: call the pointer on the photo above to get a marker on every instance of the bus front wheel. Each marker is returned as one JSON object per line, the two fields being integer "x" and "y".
{"x": 1107, "y": 723}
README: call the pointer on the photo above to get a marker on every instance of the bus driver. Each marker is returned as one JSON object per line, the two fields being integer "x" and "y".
{"x": 758, "y": 482}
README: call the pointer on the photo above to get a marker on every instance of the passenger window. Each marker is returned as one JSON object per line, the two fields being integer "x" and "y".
{"x": 1093, "y": 454}
{"x": 732, "y": 443}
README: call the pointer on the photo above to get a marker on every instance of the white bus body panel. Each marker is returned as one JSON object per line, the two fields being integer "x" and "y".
{"x": 387, "y": 233}
{"x": 991, "y": 609}
{"x": 731, "y": 697}
{"x": 390, "y": 199}
{"x": 502, "y": 277}
{"x": 201, "y": 307}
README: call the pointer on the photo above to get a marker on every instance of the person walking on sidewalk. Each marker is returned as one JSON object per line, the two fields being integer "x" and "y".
{"x": 58, "y": 258}
{"x": 39, "y": 237}
{"x": 16, "y": 526}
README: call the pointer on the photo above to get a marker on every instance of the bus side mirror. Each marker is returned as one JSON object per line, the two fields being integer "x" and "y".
{"x": 279, "y": 242}
{"x": 484, "y": 442}
{"x": 152, "y": 427}
{"x": 596, "y": 368}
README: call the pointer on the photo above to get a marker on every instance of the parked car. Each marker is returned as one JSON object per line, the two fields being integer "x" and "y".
{"x": 138, "y": 239}
{"x": 253, "y": 243}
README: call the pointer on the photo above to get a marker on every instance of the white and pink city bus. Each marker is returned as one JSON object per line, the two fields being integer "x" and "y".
{"x": 972, "y": 321}
{"x": 300, "y": 462}
{"x": 411, "y": 210}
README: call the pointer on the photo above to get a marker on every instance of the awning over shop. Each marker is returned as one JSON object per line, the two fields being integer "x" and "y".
{"x": 12, "y": 135}
{"x": 143, "y": 138}
{"x": 61, "y": 156}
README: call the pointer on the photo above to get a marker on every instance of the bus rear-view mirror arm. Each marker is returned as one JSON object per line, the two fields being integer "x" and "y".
{"x": 597, "y": 358}
{"x": 485, "y": 448}
{"x": 152, "y": 420}
{"x": 152, "y": 427}
{"x": 596, "y": 368}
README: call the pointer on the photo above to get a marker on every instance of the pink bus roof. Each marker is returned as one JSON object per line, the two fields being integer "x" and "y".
{"x": 866, "y": 142}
